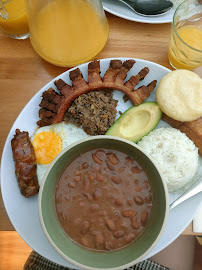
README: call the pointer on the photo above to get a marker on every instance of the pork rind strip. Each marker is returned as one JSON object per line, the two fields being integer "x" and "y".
{"x": 55, "y": 105}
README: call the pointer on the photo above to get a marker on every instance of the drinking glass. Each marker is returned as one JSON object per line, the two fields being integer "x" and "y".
{"x": 67, "y": 32}
{"x": 185, "y": 44}
{"x": 13, "y": 18}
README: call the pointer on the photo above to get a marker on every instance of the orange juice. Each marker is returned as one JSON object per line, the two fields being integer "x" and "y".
{"x": 181, "y": 55}
{"x": 67, "y": 33}
{"x": 16, "y": 24}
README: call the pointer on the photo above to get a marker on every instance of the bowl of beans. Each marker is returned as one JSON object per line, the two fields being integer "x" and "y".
{"x": 103, "y": 203}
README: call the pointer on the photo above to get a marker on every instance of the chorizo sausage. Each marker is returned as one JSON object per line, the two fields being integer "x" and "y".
{"x": 25, "y": 163}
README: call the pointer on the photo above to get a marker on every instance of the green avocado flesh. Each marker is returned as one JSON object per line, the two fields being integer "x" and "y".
{"x": 136, "y": 122}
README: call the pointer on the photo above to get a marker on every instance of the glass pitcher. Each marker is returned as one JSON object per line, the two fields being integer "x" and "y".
{"x": 67, "y": 32}
{"x": 13, "y": 18}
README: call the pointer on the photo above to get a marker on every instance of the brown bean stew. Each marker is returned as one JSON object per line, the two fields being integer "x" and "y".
{"x": 103, "y": 199}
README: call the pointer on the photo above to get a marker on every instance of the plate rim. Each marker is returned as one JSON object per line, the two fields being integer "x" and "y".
{"x": 144, "y": 20}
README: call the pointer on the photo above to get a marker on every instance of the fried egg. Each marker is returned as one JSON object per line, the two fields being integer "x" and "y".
{"x": 49, "y": 141}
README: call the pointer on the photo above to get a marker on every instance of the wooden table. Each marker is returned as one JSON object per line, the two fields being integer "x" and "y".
{"x": 23, "y": 72}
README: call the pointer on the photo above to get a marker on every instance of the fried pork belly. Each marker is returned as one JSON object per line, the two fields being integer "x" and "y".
{"x": 54, "y": 105}
{"x": 25, "y": 163}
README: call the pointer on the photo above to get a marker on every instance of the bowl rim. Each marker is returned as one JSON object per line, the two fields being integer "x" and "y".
{"x": 92, "y": 138}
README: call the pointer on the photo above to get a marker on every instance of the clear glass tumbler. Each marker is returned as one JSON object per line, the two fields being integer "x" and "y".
{"x": 67, "y": 32}
{"x": 185, "y": 44}
{"x": 13, "y": 18}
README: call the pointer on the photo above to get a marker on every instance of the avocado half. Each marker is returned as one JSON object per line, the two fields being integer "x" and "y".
{"x": 136, "y": 122}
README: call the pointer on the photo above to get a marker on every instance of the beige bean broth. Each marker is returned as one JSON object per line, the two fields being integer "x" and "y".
{"x": 103, "y": 200}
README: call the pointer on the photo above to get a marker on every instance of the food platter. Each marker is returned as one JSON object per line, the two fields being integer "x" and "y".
{"x": 121, "y": 10}
{"x": 23, "y": 212}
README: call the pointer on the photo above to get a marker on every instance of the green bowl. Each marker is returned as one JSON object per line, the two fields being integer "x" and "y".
{"x": 83, "y": 257}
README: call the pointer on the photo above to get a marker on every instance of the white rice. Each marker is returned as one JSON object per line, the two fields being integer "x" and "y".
{"x": 175, "y": 155}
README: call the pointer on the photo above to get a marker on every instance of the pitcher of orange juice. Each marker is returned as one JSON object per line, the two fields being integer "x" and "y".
{"x": 13, "y": 18}
{"x": 67, "y": 32}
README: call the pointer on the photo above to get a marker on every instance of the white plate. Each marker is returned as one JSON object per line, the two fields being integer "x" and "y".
{"x": 23, "y": 212}
{"x": 121, "y": 10}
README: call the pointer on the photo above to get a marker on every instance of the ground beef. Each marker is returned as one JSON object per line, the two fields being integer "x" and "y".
{"x": 125, "y": 98}
{"x": 94, "y": 111}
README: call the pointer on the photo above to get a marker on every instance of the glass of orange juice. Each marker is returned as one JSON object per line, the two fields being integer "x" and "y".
{"x": 67, "y": 32}
{"x": 185, "y": 44}
{"x": 13, "y": 18}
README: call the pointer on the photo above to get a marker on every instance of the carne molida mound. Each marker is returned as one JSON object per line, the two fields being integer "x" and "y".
{"x": 54, "y": 105}
{"x": 94, "y": 111}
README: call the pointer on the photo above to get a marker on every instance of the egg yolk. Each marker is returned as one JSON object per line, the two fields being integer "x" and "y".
{"x": 47, "y": 146}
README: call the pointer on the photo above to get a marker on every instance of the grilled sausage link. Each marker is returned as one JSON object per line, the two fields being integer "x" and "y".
{"x": 25, "y": 163}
